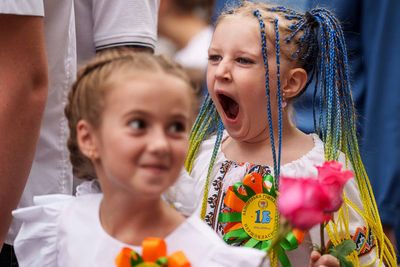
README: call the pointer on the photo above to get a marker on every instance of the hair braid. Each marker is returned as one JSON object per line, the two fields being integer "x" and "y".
{"x": 337, "y": 120}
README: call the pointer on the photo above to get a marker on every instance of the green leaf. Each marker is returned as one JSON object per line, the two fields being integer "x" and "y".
{"x": 344, "y": 262}
{"x": 343, "y": 249}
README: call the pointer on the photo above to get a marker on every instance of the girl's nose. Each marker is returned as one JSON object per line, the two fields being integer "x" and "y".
{"x": 223, "y": 71}
{"x": 159, "y": 143}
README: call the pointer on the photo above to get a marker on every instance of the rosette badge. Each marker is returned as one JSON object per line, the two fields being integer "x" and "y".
{"x": 154, "y": 254}
{"x": 251, "y": 218}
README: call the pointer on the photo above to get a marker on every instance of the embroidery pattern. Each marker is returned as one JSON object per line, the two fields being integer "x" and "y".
{"x": 216, "y": 195}
{"x": 364, "y": 240}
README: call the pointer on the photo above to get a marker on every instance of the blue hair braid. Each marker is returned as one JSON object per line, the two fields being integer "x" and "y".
{"x": 257, "y": 14}
{"x": 279, "y": 96}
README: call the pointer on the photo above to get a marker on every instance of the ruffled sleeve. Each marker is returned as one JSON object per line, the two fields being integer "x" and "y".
{"x": 88, "y": 187}
{"x": 36, "y": 243}
{"x": 187, "y": 193}
{"x": 184, "y": 194}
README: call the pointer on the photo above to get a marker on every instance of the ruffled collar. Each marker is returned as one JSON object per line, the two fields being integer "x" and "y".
{"x": 311, "y": 156}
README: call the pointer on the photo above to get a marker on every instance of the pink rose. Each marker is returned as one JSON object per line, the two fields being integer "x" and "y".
{"x": 305, "y": 202}
{"x": 333, "y": 179}
{"x": 302, "y": 201}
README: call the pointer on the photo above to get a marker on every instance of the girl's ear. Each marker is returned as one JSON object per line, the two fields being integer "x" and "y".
{"x": 86, "y": 140}
{"x": 296, "y": 79}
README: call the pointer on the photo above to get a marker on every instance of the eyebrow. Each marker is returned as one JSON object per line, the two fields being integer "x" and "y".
{"x": 251, "y": 53}
{"x": 136, "y": 113}
{"x": 177, "y": 115}
{"x": 180, "y": 116}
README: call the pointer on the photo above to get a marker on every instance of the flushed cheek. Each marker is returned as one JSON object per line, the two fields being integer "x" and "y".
{"x": 210, "y": 76}
{"x": 213, "y": 96}
{"x": 253, "y": 105}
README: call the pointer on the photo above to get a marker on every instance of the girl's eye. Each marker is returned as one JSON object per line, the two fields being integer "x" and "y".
{"x": 245, "y": 61}
{"x": 177, "y": 127}
{"x": 137, "y": 124}
{"x": 214, "y": 58}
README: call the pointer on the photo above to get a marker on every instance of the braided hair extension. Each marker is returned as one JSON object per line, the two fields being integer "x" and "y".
{"x": 323, "y": 45}
{"x": 276, "y": 159}
{"x": 337, "y": 115}
{"x": 267, "y": 91}
{"x": 322, "y": 49}
{"x": 207, "y": 123}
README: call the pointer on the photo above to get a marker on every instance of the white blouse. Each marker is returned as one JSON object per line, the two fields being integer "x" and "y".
{"x": 187, "y": 194}
{"x": 66, "y": 231}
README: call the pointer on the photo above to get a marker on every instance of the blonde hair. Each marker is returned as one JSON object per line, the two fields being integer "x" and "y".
{"x": 87, "y": 96}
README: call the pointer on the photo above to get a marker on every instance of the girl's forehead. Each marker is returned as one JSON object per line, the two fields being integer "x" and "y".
{"x": 237, "y": 32}
{"x": 150, "y": 79}
{"x": 246, "y": 21}
{"x": 248, "y": 27}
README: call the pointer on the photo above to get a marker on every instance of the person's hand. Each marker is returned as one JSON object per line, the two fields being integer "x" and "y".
{"x": 323, "y": 261}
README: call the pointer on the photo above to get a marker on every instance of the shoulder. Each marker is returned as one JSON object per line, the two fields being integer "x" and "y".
{"x": 46, "y": 207}
{"x": 38, "y": 240}
{"x": 26, "y": 7}
{"x": 305, "y": 166}
{"x": 207, "y": 145}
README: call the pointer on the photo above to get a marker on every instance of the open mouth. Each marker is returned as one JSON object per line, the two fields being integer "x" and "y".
{"x": 230, "y": 106}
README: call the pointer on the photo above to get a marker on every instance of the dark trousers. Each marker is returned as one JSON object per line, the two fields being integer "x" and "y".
{"x": 7, "y": 257}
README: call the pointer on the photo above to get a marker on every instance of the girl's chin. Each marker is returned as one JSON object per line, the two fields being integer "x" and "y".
{"x": 149, "y": 192}
{"x": 243, "y": 134}
{"x": 235, "y": 133}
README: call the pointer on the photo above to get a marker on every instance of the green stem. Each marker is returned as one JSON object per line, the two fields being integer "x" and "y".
{"x": 321, "y": 232}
